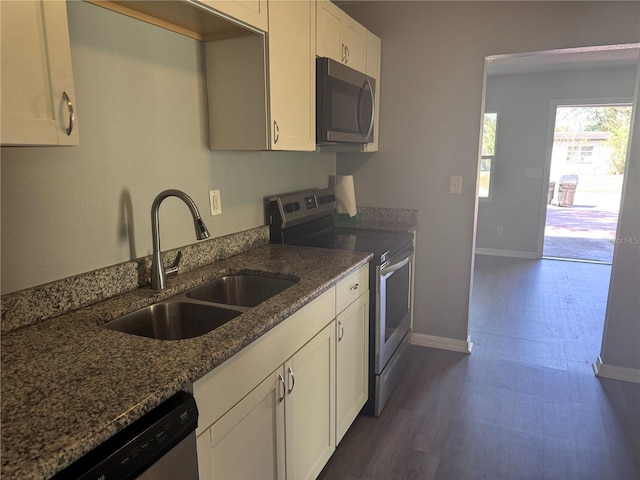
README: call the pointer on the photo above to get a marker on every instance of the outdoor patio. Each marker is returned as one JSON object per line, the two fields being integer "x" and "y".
{"x": 586, "y": 231}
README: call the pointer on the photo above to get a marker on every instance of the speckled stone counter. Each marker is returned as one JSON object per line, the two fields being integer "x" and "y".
{"x": 68, "y": 384}
{"x": 387, "y": 219}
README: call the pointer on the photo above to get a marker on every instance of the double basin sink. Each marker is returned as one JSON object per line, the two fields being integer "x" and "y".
{"x": 201, "y": 309}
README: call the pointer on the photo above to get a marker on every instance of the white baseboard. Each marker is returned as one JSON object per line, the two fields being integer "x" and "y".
{"x": 617, "y": 373}
{"x": 506, "y": 253}
{"x": 443, "y": 343}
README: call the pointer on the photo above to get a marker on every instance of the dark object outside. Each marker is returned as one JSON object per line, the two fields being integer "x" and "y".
{"x": 567, "y": 190}
{"x": 552, "y": 187}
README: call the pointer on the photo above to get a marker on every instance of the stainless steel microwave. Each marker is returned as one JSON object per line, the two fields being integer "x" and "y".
{"x": 344, "y": 104}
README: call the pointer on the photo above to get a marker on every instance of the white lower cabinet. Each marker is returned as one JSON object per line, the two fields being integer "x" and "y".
{"x": 352, "y": 374}
{"x": 310, "y": 406}
{"x": 278, "y": 408}
{"x": 248, "y": 441}
{"x": 284, "y": 428}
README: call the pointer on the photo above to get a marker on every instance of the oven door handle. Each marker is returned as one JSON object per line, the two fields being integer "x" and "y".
{"x": 389, "y": 270}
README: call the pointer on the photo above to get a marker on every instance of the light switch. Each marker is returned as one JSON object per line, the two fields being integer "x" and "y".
{"x": 455, "y": 185}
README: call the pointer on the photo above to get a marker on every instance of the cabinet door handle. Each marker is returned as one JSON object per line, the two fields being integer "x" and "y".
{"x": 276, "y": 132}
{"x": 354, "y": 287}
{"x": 293, "y": 380}
{"x": 72, "y": 115}
{"x": 340, "y": 330}
{"x": 281, "y": 384}
{"x": 346, "y": 54}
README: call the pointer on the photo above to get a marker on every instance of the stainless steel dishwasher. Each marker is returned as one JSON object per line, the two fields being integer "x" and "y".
{"x": 160, "y": 445}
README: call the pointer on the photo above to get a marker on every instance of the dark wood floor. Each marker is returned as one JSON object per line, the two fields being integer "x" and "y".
{"x": 524, "y": 405}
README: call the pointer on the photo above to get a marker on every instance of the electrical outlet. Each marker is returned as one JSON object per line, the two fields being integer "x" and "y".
{"x": 500, "y": 231}
{"x": 455, "y": 184}
{"x": 215, "y": 202}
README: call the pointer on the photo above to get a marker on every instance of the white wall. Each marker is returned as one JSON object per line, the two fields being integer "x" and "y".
{"x": 622, "y": 322}
{"x": 525, "y": 107}
{"x": 431, "y": 101}
{"x": 141, "y": 105}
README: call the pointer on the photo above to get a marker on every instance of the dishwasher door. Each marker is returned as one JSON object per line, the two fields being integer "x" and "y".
{"x": 181, "y": 462}
{"x": 160, "y": 445}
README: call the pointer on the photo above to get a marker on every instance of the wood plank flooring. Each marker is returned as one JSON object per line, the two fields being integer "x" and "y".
{"x": 524, "y": 405}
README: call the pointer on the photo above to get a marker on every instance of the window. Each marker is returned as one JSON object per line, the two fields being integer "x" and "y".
{"x": 487, "y": 158}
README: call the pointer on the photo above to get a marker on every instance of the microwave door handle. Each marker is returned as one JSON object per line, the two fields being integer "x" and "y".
{"x": 373, "y": 108}
{"x": 357, "y": 112}
{"x": 365, "y": 135}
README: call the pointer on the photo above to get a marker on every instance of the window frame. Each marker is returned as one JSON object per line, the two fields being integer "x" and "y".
{"x": 492, "y": 158}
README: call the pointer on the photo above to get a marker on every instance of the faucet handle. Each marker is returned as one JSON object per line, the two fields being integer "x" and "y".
{"x": 173, "y": 269}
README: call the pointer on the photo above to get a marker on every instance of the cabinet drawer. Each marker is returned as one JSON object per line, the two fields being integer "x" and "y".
{"x": 351, "y": 288}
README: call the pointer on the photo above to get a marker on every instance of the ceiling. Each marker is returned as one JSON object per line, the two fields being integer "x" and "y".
{"x": 564, "y": 60}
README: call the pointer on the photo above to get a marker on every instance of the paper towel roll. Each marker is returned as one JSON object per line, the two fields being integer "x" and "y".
{"x": 345, "y": 195}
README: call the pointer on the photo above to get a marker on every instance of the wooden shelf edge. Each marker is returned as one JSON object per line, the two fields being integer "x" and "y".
{"x": 129, "y": 12}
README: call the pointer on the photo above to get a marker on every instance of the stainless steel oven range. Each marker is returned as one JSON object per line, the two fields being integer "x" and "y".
{"x": 306, "y": 218}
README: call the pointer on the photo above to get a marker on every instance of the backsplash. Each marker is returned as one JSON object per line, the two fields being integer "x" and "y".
{"x": 33, "y": 305}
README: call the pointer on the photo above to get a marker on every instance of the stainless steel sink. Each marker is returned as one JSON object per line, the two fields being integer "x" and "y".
{"x": 240, "y": 290}
{"x": 173, "y": 320}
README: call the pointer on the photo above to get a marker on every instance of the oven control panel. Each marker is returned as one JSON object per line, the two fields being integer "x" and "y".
{"x": 292, "y": 209}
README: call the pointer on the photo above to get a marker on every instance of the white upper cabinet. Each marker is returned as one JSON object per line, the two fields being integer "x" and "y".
{"x": 292, "y": 76}
{"x": 339, "y": 36}
{"x": 261, "y": 88}
{"x": 329, "y": 25}
{"x": 251, "y": 12}
{"x": 372, "y": 69}
{"x": 37, "y": 79}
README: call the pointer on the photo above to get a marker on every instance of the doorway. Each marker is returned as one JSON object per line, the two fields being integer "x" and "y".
{"x": 585, "y": 182}
{"x": 526, "y": 91}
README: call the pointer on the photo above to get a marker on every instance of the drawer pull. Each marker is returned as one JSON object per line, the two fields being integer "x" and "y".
{"x": 293, "y": 380}
{"x": 281, "y": 383}
{"x": 354, "y": 287}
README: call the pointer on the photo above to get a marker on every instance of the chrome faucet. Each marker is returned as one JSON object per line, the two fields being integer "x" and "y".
{"x": 158, "y": 273}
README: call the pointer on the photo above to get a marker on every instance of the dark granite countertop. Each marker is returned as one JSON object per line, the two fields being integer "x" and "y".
{"x": 377, "y": 218}
{"x": 69, "y": 384}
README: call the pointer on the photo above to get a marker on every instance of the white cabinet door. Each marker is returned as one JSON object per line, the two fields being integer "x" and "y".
{"x": 251, "y": 12}
{"x": 285, "y": 427}
{"x": 37, "y": 79}
{"x": 339, "y": 36}
{"x": 329, "y": 31}
{"x": 292, "y": 75}
{"x": 248, "y": 441}
{"x": 310, "y": 406}
{"x": 354, "y": 39}
{"x": 265, "y": 99}
{"x": 352, "y": 381}
{"x": 372, "y": 68}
